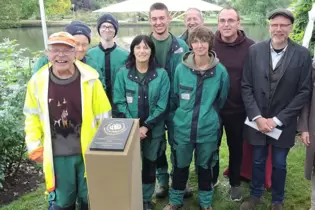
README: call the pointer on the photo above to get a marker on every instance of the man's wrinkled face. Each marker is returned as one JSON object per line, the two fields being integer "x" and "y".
{"x": 228, "y": 23}
{"x": 61, "y": 56}
{"x": 81, "y": 46}
{"x": 280, "y": 28}
{"x": 192, "y": 19}
{"x": 159, "y": 21}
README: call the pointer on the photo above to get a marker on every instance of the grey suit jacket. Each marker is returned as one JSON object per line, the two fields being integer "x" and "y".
{"x": 291, "y": 94}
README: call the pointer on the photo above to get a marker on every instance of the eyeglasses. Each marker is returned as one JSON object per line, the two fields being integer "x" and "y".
{"x": 104, "y": 27}
{"x": 228, "y": 21}
{"x": 64, "y": 52}
{"x": 282, "y": 26}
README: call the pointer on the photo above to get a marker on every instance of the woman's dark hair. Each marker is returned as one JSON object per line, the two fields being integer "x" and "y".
{"x": 131, "y": 60}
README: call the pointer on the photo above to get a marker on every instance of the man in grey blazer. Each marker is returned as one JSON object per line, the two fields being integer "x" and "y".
{"x": 276, "y": 84}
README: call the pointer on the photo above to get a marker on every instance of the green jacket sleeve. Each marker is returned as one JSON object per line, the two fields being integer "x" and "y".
{"x": 92, "y": 56}
{"x": 40, "y": 63}
{"x": 161, "y": 105}
{"x": 119, "y": 98}
{"x": 92, "y": 62}
{"x": 225, "y": 86}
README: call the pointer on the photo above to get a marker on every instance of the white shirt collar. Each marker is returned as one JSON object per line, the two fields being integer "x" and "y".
{"x": 273, "y": 50}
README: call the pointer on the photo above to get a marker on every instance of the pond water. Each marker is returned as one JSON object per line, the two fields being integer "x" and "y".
{"x": 32, "y": 38}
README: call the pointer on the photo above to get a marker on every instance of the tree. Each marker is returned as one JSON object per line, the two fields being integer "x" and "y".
{"x": 28, "y": 8}
{"x": 301, "y": 8}
{"x": 9, "y": 14}
{"x": 257, "y": 10}
{"x": 54, "y": 7}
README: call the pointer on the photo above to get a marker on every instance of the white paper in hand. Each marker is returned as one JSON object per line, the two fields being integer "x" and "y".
{"x": 275, "y": 133}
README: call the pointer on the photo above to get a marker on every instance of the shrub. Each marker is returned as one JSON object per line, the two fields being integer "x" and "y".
{"x": 15, "y": 71}
{"x": 301, "y": 9}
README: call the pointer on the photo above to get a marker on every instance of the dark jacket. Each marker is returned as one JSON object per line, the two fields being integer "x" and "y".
{"x": 292, "y": 91}
{"x": 174, "y": 57}
{"x": 184, "y": 37}
{"x": 306, "y": 123}
{"x": 232, "y": 56}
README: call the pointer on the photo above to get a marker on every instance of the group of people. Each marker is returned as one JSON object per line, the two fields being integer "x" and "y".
{"x": 183, "y": 90}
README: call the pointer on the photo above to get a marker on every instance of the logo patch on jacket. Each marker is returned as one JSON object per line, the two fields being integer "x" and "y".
{"x": 129, "y": 99}
{"x": 185, "y": 96}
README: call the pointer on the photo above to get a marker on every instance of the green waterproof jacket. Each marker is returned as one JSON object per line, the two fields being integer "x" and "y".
{"x": 145, "y": 100}
{"x": 44, "y": 60}
{"x": 198, "y": 97}
{"x": 110, "y": 61}
{"x": 174, "y": 57}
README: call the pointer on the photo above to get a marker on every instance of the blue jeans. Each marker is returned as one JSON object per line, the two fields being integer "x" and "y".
{"x": 50, "y": 205}
{"x": 279, "y": 171}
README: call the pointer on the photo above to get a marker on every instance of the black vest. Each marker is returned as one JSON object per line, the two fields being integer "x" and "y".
{"x": 275, "y": 74}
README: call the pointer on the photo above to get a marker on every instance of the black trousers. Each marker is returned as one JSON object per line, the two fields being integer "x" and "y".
{"x": 233, "y": 125}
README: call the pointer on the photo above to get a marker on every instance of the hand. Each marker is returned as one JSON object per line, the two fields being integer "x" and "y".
{"x": 143, "y": 132}
{"x": 39, "y": 160}
{"x": 271, "y": 123}
{"x": 306, "y": 138}
{"x": 262, "y": 125}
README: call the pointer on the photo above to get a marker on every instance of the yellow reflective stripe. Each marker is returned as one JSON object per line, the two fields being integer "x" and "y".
{"x": 33, "y": 111}
{"x": 28, "y": 110}
{"x": 100, "y": 117}
{"x": 94, "y": 123}
{"x": 103, "y": 115}
{"x": 91, "y": 82}
{"x": 32, "y": 145}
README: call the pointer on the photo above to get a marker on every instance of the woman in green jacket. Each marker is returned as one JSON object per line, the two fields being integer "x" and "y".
{"x": 141, "y": 91}
{"x": 201, "y": 86}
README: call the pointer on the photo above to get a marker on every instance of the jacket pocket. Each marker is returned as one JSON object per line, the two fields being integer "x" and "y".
{"x": 130, "y": 96}
{"x": 186, "y": 96}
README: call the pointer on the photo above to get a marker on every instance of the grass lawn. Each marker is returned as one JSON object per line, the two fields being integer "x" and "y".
{"x": 297, "y": 189}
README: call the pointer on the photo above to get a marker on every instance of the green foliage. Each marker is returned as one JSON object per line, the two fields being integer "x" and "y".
{"x": 14, "y": 74}
{"x": 9, "y": 14}
{"x": 257, "y": 10}
{"x": 28, "y": 7}
{"x": 53, "y": 7}
{"x": 301, "y": 8}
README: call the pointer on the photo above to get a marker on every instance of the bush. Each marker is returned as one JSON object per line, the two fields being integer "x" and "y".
{"x": 9, "y": 14}
{"x": 15, "y": 71}
{"x": 301, "y": 9}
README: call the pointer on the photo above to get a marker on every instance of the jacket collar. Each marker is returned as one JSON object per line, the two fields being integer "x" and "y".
{"x": 151, "y": 75}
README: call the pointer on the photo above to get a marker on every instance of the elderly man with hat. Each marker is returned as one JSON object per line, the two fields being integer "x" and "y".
{"x": 82, "y": 34}
{"x": 276, "y": 84}
{"x": 108, "y": 54}
{"x": 65, "y": 103}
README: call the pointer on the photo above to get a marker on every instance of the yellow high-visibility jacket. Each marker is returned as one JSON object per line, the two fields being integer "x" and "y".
{"x": 95, "y": 107}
